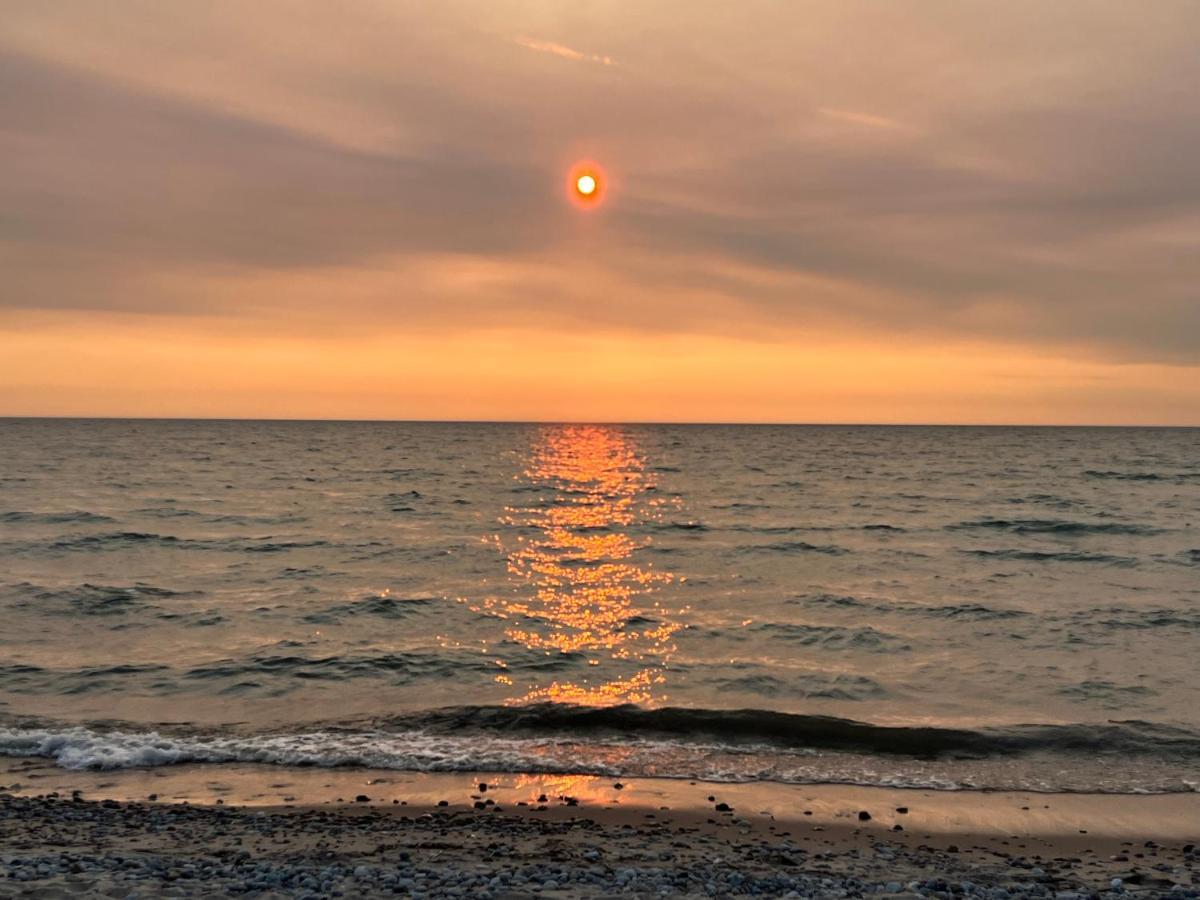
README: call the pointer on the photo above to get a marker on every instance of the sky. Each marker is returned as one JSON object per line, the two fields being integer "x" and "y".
{"x": 828, "y": 211}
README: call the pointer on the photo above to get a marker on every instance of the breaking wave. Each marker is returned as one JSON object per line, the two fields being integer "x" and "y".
{"x": 715, "y": 745}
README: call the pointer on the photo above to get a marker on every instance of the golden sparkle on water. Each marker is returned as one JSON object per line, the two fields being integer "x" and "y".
{"x": 577, "y": 586}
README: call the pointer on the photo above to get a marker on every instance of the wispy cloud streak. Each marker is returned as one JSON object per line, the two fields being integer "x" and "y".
{"x": 866, "y": 119}
{"x": 563, "y": 51}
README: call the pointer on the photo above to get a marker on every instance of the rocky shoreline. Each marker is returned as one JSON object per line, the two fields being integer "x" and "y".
{"x": 59, "y": 847}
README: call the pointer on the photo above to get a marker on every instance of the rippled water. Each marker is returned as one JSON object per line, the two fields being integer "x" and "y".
{"x": 1001, "y": 606}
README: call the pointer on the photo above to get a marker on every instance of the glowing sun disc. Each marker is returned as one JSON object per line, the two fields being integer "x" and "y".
{"x": 586, "y": 184}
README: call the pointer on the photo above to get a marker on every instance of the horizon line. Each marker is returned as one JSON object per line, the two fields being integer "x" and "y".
{"x": 650, "y": 422}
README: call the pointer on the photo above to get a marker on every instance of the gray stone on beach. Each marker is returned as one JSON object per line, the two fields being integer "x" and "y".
{"x": 466, "y": 855}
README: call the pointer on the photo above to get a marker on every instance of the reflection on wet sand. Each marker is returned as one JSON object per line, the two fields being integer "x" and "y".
{"x": 578, "y": 589}
{"x": 586, "y": 789}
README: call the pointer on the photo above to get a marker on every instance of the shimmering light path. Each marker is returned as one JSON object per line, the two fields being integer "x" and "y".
{"x": 578, "y": 589}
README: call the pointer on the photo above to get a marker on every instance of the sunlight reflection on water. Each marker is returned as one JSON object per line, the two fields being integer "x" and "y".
{"x": 579, "y": 588}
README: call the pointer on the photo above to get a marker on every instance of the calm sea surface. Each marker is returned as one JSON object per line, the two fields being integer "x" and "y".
{"x": 947, "y": 607}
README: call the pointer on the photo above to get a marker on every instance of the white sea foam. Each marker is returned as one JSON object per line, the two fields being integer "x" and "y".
{"x": 79, "y": 748}
{"x": 83, "y": 748}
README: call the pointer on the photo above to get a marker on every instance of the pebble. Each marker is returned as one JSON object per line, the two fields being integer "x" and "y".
{"x": 46, "y": 844}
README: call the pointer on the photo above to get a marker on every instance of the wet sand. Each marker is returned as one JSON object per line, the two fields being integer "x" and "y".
{"x": 269, "y": 830}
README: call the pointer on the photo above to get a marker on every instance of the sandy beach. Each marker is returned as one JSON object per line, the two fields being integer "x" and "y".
{"x": 271, "y": 831}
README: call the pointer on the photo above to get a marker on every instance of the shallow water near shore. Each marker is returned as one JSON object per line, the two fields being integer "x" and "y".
{"x": 931, "y": 815}
{"x": 1007, "y": 608}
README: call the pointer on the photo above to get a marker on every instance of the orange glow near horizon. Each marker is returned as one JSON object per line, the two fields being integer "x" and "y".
{"x": 91, "y": 364}
{"x": 578, "y": 588}
{"x": 586, "y": 184}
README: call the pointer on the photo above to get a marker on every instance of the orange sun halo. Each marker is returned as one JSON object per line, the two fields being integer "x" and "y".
{"x": 585, "y": 184}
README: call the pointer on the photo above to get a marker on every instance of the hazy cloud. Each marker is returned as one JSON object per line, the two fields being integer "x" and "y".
{"x": 1030, "y": 175}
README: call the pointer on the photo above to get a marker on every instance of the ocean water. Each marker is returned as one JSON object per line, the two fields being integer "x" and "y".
{"x": 945, "y": 607}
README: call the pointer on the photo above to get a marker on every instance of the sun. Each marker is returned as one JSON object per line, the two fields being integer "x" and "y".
{"x": 586, "y": 184}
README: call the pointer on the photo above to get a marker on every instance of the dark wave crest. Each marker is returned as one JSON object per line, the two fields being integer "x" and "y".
{"x": 792, "y": 731}
{"x": 1056, "y": 556}
{"x": 794, "y": 547}
{"x": 1054, "y": 526}
{"x": 1175, "y": 477}
{"x": 91, "y": 599}
{"x": 23, "y": 517}
{"x": 381, "y": 605}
